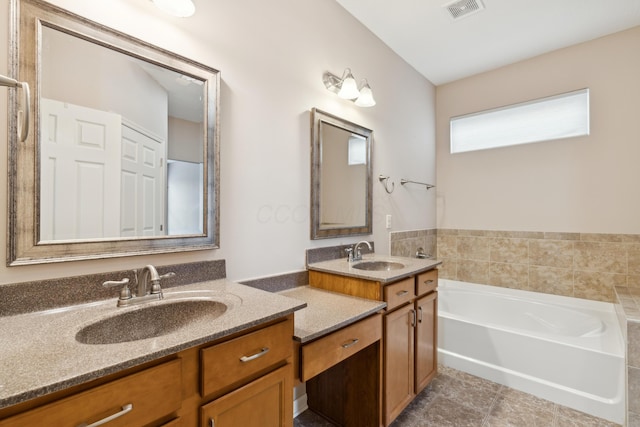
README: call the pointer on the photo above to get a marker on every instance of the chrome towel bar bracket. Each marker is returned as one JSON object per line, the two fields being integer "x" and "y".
{"x": 405, "y": 181}
{"x": 23, "y": 113}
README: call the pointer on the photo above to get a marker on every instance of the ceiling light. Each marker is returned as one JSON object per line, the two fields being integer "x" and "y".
{"x": 179, "y": 8}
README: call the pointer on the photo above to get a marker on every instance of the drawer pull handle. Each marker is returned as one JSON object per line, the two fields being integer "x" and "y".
{"x": 428, "y": 282}
{"x": 402, "y": 293}
{"x": 125, "y": 409}
{"x": 245, "y": 359}
{"x": 413, "y": 318}
{"x": 419, "y": 314}
{"x": 351, "y": 343}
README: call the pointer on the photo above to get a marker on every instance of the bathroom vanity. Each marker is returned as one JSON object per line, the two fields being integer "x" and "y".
{"x": 409, "y": 335}
{"x": 206, "y": 373}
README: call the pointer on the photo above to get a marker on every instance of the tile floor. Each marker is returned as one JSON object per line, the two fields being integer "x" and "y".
{"x": 457, "y": 399}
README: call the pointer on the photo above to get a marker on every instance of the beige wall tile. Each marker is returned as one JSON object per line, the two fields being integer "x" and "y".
{"x": 474, "y": 233}
{"x": 633, "y": 344}
{"x": 550, "y": 280}
{"x": 593, "y": 237}
{"x": 633, "y": 281}
{"x": 448, "y": 268}
{"x": 600, "y": 257}
{"x": 509, "y": 250}
{"x": 552, "y": 253}
{"x": 447, "y": 232}
{"x": 597, "y": 286}
{"x": 633, "y": 389}
{"x": 473, "y": 248}
{"x": 561, "y": 236}
{"x": 447, "y": 246}
{"x": 515, "y": 276}
{"x": 473, "y": 271}
{"x": 633, "y": 258}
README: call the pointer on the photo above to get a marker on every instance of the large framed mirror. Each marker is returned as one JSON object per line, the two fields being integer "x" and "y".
{"x": 341, "y": 180}
{"x": 122, "y": 156}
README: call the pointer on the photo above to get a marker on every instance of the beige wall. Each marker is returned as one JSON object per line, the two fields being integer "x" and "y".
{"x": 271, "y": 56}
{"x": 586, "y": 184}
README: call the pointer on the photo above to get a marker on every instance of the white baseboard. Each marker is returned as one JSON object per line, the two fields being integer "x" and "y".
{"x": 300, "y": 405}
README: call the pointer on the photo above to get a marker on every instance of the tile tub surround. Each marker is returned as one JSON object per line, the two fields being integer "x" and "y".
{"x": 457, "y": 399}
{"x": 580, "y": 265}
{"x": 18, "y": 298}
{"x": 406, "y": 243}
{"x": 628, "y": 303}
{"x": 47, "y": 361}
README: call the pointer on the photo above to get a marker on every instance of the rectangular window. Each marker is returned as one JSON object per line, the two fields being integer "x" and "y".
{"x": 357, "y": 150}
{"x": 554, "y": 117}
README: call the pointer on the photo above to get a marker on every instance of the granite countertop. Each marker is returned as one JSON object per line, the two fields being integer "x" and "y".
{"x": 39, "y": 353}
{"x": 327, "y": 311}
{"x": 342, "y": 267}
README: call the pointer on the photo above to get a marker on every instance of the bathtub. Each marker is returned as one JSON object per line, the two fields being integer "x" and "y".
{"x": 566, "y": 350}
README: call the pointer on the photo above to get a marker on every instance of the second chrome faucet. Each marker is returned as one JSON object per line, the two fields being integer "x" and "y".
{"x": 354, "y": 253}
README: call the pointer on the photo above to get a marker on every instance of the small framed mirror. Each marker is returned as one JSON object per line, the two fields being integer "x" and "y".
{"x": 341, "y": 177}
{"x": 123, "y": 155}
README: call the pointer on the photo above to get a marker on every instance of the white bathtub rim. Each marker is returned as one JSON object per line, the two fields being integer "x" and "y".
{"x": 541, "y": 297}
{"x": 613, "y": 346}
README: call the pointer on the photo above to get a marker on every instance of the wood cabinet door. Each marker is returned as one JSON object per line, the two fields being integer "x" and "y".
{"x": 398, "y": 361}
{"x": 426, "y": 340}
{"x": 265, "y": 402}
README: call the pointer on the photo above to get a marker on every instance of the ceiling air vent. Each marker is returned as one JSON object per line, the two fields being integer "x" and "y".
{"x": 463, "y": 8}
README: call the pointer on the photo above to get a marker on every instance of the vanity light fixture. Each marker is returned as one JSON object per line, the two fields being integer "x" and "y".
{"x": 347, "y": 88}
{"x": 179, "y": 8}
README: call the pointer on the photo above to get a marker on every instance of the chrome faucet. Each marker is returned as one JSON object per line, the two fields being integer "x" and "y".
{"x": 357, "y": 255}
{"x": 148, "y": 275}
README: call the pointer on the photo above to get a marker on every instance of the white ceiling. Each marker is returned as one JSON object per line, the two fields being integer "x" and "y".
{"x": 506, "y": 31}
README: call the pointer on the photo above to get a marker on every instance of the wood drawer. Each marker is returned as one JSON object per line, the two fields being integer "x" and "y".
{"x": 153, "y": 393}
{"x": 265, "y": 402}
{"x": 399, "y": 293}
{"x": 426, "y": 282}
{"x": 332, "y": 349}
{"x": 233, "y": 363}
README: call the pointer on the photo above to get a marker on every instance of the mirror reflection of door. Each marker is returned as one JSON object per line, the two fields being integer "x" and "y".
{"x": 102, "y": 177}
{"x": 143, "y": 186}
{"x": 80, "y": 172}
{"x": 159, "y": 114}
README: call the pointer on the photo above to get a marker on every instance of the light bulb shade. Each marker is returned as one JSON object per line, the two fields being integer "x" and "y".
{"x": 366, "y": 97}
{"x": 349, "y": 87}
{"x": 179, "y": 8}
